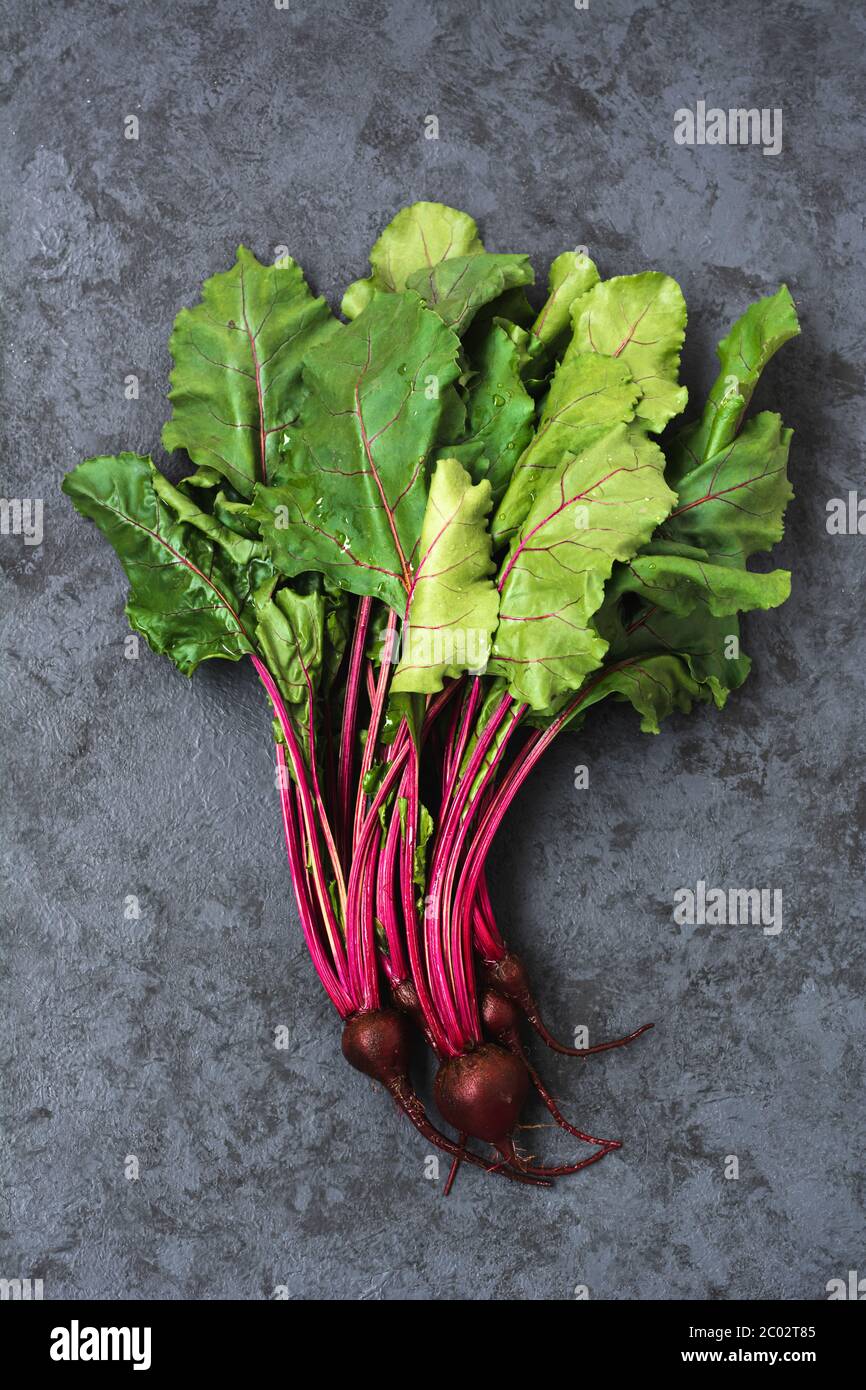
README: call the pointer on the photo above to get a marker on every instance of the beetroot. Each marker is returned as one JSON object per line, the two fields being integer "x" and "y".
{"x": 377, "y": 1043}
{"x": 482, "y": 1091}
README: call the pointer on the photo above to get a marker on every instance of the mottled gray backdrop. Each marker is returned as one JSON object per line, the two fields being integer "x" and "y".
{"x": 154, "y": 1037}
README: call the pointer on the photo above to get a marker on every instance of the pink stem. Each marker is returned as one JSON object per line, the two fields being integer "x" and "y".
{"x": 385, "y": 671}
{"x": 448, "y": 983}
{"x": 419, "y": 964}
{"x": 534, "y": 748}
{"x": 324, "y": 822}
{"x": 396, "y": 967}
{"x": 448, "y": 749}
{"x": 458, "y": 937}
{"x": 486, "y": 905}
{"x": 470, "y": 708}
{"x": 309, "y": 816}
{"x": 360, "y": 929}
{"x": 332, "y": 985}
{"x": 372, "y": 998}
{"x": 488, "y": 942}
{"x": 349, "y": 730}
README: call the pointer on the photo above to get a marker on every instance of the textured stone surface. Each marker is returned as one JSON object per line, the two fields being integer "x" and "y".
{"x": 154, "y": 1037}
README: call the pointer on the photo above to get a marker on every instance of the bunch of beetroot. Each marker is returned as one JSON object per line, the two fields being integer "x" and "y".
{"x": 441, "y": 531}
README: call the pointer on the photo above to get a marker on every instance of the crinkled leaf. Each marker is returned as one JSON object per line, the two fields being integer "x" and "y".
{"x": 709, "y": 646}
{"x": 399, "y": 708}
{"x": 588, "y": 394}
{"x": 601, "y": 505}
{"x": 457, "y": 288}
{"x": 453, "y": 601}
{"x": 418, "y": 238}
{"x": 571, "y": 275}
{"x": 743, "y": 354}
{"x": 640, "y": 320}
{"x": 290, "y": 633}
{"x": 536, "y": 365}
{"x": 191, "y": 580}
{"x": 290, "y": 628}
{"x": 237, "y": 367}
{"x": 656, "y": 685}
{"x": 678, "y": 612}
{"x": 352, "y": 486}
{"x": 499, "y": 412}
{"x": 733, "y": 504}
{"x": 678, "y": 583}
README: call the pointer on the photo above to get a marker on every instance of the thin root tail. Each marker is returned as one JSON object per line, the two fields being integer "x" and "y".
{"x": 510, "y": 1155}
{"x": 514, "y": 1044}
{"x": 412, "y": 1108}
{"x": 535, "y": 1021}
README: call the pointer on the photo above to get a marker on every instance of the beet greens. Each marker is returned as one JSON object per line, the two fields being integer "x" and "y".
{"x": 441, "y": 531}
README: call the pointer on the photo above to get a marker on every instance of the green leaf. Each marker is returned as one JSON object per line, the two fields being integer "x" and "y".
{"x": 418, "y": 238}
{"x": 599, "y": 506}
{"x": 571, "y": 276}
{"x": 708, "y": 646}
{"x": 680, "y": 610}
{"x": 529, "y": 349}
{"x": 656, "y": 685}
{"x": 678, "y": 583}
{"x": 338, "y": 630}
{"x": 191, "y": 580}
{"x": 512, "y": 307}
{"x": 453, "y": 602}
{"x": 221, "y": 502}
{"x": 499, "y": 414}
{"x": 588, "y": 394}
{"x": 237, "y": 366}
{"x": 352, "y": 486}
{"x": 457, "y": 288}
{"x": 733, "y": 504}
{"x": 452, "y": 423}
{"x": 743, "y": 354}
{"x": 400, "y": 707}
{"x": 290, "y": 631}
{"x": 426, "y": 827}
{"x": 639, "y": 320}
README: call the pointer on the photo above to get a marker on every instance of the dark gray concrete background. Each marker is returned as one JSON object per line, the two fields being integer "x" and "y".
{"x": 155, "y": 1038}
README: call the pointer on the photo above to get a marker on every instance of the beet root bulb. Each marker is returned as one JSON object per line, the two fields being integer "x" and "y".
{"x": 377, "y": 1044}
{"x": 482, "y": 1092}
